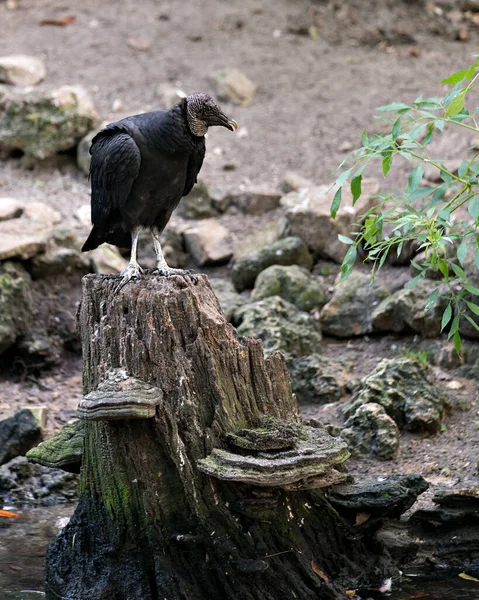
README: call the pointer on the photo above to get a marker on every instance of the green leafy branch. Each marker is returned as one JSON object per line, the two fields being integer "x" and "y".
{"x": 421, "y": 214}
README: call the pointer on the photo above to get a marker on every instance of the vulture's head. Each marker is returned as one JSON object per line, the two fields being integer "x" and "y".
{"x": 203, "y": 112}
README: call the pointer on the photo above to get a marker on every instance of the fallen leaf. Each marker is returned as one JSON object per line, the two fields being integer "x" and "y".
{"x": 138, "y": 44}
{"x": 68, "y": 20}
{"x": 468, "y": 577}
{"x": 318, "y": 571}
{"x": 8, "y": 514}
{"x": 350, "y": 593}
{"x": 361, "y": 518}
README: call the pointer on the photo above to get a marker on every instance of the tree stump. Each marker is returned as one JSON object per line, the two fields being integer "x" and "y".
{"x": 198, "y": 478}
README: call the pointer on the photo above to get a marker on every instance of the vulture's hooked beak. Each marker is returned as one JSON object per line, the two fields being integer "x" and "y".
{"x": 222, "y": 120}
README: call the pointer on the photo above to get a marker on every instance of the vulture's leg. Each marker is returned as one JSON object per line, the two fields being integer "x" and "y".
{"x": 162, "y": 267}
{"x": 133, "y": 270}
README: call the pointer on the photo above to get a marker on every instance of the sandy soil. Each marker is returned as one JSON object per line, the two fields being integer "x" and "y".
{"x": 314, "y": 98}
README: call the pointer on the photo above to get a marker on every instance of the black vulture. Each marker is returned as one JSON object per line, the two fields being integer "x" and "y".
{"x": 141, "y": 167}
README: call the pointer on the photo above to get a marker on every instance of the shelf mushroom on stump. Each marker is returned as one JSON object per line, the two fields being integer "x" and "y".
{"x": 198, "y": 478}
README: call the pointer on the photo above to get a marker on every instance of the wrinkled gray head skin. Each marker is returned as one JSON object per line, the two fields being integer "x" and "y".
{"x": 203, "y": 112}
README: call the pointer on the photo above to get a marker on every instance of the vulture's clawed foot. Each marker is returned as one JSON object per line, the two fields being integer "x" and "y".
{"x": 131, "y": 272}
{"x": 168, "y": 272}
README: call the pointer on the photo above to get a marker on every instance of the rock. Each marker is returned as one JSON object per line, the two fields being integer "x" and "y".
{"x": 107, "y": 259}
{"x": 257, "y": 202}
{"x": 28, "y": 235}
{"x": 233, "y": 85}
{"x": 198, "y": 204}
{"x": 404, "y": 388}
{"x": 42, "y": 123}
{"x": 289, "y": 251}
{"x": 294, "y": 284}
{"x": 293, "y": 181}
{"x": 83, "y": 149}
{"x": 25, "y": 483}
{"x": 389, "y": 497}
{"x": 10, "y": 208}
{"x": 220, "y": 199}
{"x": 350, "y": 310}
{"x": 57, "y": 260}
{"x": 41, "y": 415}
{"x": 18, "y": 433}
{"x": 21, "y": 70}
{"x": 15, "y": 304}
{"x": 317, "y": 379}
{"x": 280, "y": 326}
{"x": 405, "y": 310}
{"x": 308, "y": 216}
{"x": 258, "y": 239}
{"x": 169, "y": 95}
{"x": 209, "y": 243}
{"x": 370, "y": 431}
{"x": 229, "y": 299}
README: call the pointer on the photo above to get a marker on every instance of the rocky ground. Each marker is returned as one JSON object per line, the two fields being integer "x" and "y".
{"x": 311, "y": 75}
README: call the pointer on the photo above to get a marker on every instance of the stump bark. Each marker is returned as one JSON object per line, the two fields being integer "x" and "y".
{"x": 198, "y": 479}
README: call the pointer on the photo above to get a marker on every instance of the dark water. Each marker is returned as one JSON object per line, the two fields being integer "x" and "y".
{"x": 24, "y": 542}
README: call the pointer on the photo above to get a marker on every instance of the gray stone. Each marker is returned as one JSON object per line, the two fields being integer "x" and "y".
{"x": 83, "y": 214}
{"x": 405, "y": 310}
{"x": 18, "y": 433}
{"x": 19, "y": 69}
{"x": 42, "y": 123}
{"x": 229, "y": 299}
{"x": 24, "y": 483}
{"x": 294, "y": 284}
{"x": 350, "y": 310}
{"x": 289, "y": 251}
{"x": 28, "y": 235}
{"x": 293, "y": 181}
{"x": 258, "y": 239}
{"x": 255, "y": 202}
{"x": 57, "y": 260}
{"x": 405, "y": 389}
{"x": 308, "y": 216}
{"x": 233, "y": 85}
{"x": 198, "y": 204}
{"x": 317, "y": 379}
{"x": 10, "y": 208}
{"x": 209, "y": 243}
{"x": 280, "y": 326}
{"x": 15, "y": 304}
{"x": 370, "y": 431}
{"x": 107, "y": 260}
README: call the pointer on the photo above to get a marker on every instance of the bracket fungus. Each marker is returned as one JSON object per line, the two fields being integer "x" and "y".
{"x": 62, "y": 451}
{"x": 285, "y": 455}
{"x": 120, "y": 396}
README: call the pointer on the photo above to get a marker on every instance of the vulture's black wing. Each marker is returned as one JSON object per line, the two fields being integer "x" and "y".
{"x": 115, "y": 164}
{"x": 194, "y": 166}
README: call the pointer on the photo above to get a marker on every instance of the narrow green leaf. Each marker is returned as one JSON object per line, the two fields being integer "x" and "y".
{"x": 344, "y": 239}
{"x": 472, "y": 307}
{"x": 462, "y": 252}
{"x": 442, "y": 264}
{"x": 473, "y": 207}
{"x": 356, "y": 187}
{"x": 456, "y": 105}
{"x": 457, "y": 77}
{"x": 415, "y": 177}
{"x": 428, "y": 137}
{"x": 439, "y": 125}
{"x": 394, "y": 106}
{"x": 458, "y": 271}
{"x": 343, "y": 177}
{"x": 415, "y": 132}
{"x": 387, "y": 161}
{"x": 472, "y": 322}
{"x": 457, "y": 342}
{"x": 446, "y": 316}
{"x": 463, "y": 168}
{"x": 476, "y": 257}
{"x": 336, "y": 202}
{"x": 471, "y": 289}
{"x": 431, "y": 301}
{"x": 396, "y": 129}
{"x": 454, "y": 326}
{"x": 364, "y": 138}
{"x": 411, "y": 283}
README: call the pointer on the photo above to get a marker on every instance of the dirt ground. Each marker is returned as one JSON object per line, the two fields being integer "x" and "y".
{"x": 315, "y": 95}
